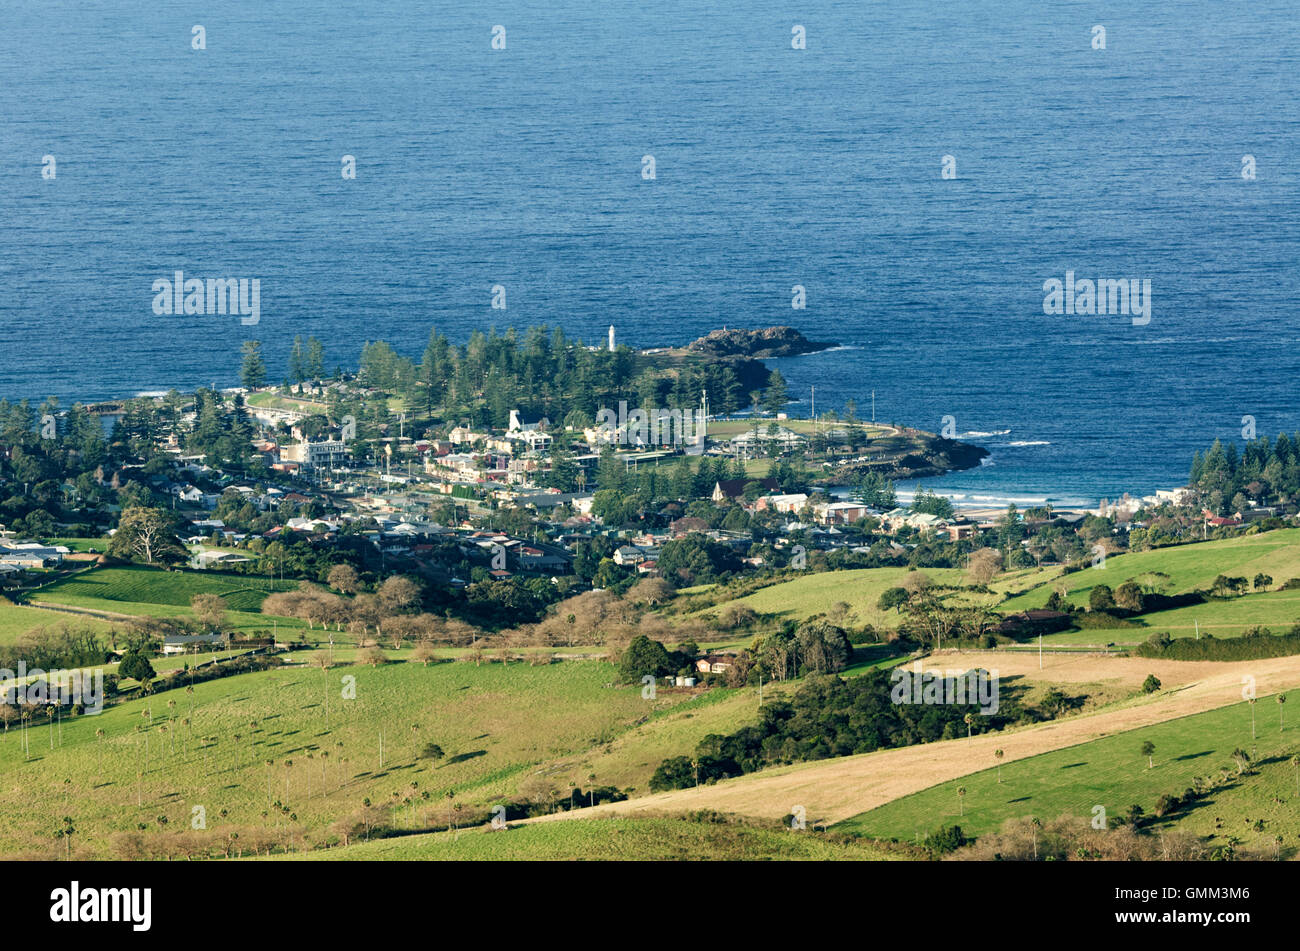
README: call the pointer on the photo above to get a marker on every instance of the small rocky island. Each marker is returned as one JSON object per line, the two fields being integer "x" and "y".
{"x": 766, "y": 344}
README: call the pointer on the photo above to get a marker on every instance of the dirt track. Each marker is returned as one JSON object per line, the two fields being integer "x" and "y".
{"x": 833, "y": 790}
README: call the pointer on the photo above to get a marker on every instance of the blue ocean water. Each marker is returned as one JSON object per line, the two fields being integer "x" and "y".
{"x": 774, "y": 167}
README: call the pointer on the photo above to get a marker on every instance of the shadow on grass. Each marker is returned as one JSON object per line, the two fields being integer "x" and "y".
{"x": 462, "y": 757}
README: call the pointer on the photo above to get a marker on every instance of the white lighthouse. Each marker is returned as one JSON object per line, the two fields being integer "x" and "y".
{"x": 611, "y": 338}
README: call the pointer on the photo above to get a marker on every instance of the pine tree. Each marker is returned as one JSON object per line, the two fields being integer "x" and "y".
{"x": 252, "y": 373}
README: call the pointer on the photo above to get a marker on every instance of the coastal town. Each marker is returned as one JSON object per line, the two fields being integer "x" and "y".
{"x": 457, "y": 501}
{"x": 655, "y": 536}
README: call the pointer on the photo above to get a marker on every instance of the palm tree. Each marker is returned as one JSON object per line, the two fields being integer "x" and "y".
{"x": 591, "y": 778}
{"x": 961, "y": 800}
{"x": 1295, "y": 761}
{"x": 1281, "y": 704}
{"x": 999, "y": 754}
{"x": 969, "y": 719}
{"x": 1035, "y": 824}
{"x": 1148, "y": 750}
{"x": 1252, "y": 718}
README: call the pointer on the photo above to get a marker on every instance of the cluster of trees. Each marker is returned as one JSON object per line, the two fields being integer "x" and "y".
{"x": 1129, "y": 598}
{"x": 402, "y": 609}
{"x": 65, "y": 647}
{"x": 53, "y": 465}
{"x": 1256, "y": 643}
{"x": 927, "y": 503}
{"x": 875, "y": 490}
{"x": 817, "y": 646}
{"x": 697, "y": 559}
{"x": 306, "y": 362}
{"x": 543, "y": 371}
{"x": 1069, "y": 838}
{"x": 1263, "y": 471}
{"x": 626, "y": 495}
{"x": 223, "y": 430}
{"x": 929, "y": 620}
{"x": 647, "y": 658}
{"x": 1225, "y": 586}
{"x": 827, "y": 717}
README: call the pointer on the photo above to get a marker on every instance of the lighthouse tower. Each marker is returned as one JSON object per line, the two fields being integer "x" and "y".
{"x": 611, "y": 338}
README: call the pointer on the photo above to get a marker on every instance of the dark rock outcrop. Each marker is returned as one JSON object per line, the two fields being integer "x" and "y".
{"x": 763, "y": 344}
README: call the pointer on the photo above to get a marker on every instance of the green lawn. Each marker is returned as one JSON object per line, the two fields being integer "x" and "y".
{"x": 860, "y": 588}
{"x": 16, "y": 620}
{"x": 81, "y": 544}
{"x": 154, "y": 592}
{"x": 268, "y": 399}
{"x": 1111, "y": 772}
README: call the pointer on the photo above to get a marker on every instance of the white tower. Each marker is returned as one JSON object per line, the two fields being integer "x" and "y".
{"x": 611, "y": 338}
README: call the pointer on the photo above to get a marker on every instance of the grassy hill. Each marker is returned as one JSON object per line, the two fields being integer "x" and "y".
{"x": 1189, "y": 567}
{"x": 1111, "y": 772}
{"x": 498, "y": 725}
{"x": 860, "y": 588}
{"x": 155, "y": 592}
{"x": 838, "y": 789}
{"x": 16, "y": 620}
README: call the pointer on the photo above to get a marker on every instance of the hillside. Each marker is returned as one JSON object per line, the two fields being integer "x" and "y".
{"x": 497, "y": 726}
{"x": 1111, "y": 772}
{"x": 837, "y": 789}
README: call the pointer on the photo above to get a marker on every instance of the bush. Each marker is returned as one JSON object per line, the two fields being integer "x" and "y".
{"x": 646, "y": 658}
{"x": 946, "y": 839}
{"x": 1222, "y": 648}
{"x": 1101, "y": 598}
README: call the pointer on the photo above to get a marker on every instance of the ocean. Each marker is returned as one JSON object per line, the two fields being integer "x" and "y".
{"x": 820, "y": 167}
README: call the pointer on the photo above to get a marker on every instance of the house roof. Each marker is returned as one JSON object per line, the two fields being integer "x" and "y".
{"x": 733, "y": 488}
